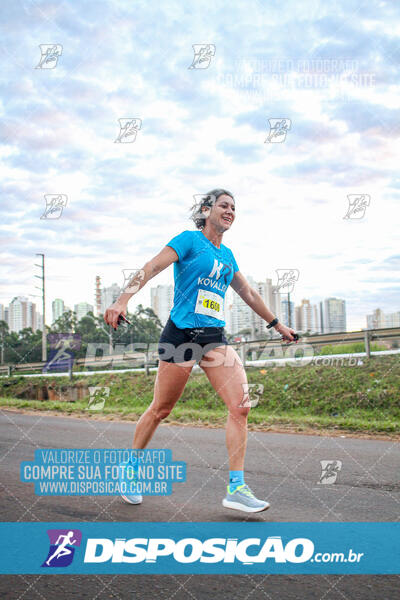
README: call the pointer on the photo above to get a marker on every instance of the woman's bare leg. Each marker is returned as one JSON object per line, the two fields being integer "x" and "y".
{"x": 228, "y": 377}
{"x": 169, "y": 385}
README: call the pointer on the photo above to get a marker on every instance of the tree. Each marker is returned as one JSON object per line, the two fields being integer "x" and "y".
{"x": 66, "y": 323}
{"x": 25, "y": 346}
{"x": 149, "y": 313}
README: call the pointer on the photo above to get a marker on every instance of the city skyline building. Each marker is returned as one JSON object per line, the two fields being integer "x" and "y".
{"x": 162, "y": 300}
{"x": 81, "y": 310}
{"x": 22, "y": 314}
{"x": 379, "y": 320}
{"x": 334, "y": 315}
{"x": 241, "y": 318}
{"x": 287, "y": 310}
{"x": 272, "y": 299}
{"x": 325, "y": 316}
{"x": 307, "y": 319}
{"x": 108, "y": 296}
{"x": 58, "y": 308}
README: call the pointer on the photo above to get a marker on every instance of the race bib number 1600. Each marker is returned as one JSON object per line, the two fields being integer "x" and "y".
{"x": 210, "y": 304}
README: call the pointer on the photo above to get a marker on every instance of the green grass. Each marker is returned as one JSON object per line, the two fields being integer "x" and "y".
{"x": 365, "y": 398}
{"x": 350, "y": 348}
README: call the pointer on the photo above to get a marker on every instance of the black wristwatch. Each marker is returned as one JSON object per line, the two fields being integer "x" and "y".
{"x": 273, "y": 323}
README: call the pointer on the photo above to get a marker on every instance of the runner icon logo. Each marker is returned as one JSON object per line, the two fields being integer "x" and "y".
{"x": 203, "y": 54}
{"x": 62, "y": 547}
{"x": 329, "y": 471}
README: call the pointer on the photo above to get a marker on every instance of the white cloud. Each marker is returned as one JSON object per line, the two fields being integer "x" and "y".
{"x": 200, "y": 131}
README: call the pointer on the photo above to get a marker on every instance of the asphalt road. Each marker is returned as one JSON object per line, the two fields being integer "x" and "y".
{"x": 282, "y": 468}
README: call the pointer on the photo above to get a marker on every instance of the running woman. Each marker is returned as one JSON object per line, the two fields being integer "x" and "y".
{"x": 203, "y": 269}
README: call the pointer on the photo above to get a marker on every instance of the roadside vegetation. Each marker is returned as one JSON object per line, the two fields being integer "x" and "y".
{"x": 361, "y": 398}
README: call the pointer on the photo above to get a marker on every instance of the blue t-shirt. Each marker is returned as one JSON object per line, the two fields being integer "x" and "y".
{"x": 202, "y": 275}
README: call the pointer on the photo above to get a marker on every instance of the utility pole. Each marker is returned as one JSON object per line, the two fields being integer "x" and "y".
{"x": 2, "y": 348}
{"x": 44, "y": 341}
{"x": 110, "y": 340}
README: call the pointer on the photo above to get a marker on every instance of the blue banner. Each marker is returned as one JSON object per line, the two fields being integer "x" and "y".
{"x": 102, "y": 472}
{"x": 195, "y": 548}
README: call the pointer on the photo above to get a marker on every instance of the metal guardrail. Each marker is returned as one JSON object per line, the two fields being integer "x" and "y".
{"x": 345, "y": 337}
{"x": 365, "y": 336}
{"x": 140, "y": 358}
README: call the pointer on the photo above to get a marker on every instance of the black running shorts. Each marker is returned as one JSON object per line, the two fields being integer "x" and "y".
{"x": 180, "y": 345}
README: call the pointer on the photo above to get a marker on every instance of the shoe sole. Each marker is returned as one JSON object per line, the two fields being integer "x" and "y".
{"x": 130, "y": 501}
{"x": 238, "y": 506}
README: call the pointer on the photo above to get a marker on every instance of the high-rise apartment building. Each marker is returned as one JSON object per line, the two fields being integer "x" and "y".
{"x": 22, "y": 314}
{"x": 81, "y": 310}
{"x": 379, "y": 320}
{"x": 58, "y": 308}
{"x": 241, "y": 314}
{"x": 272, "y": 299}
{"x": 109, "y": 295}
{"x": 392, "y": 319}
{"x": 242, "y": 317}
{"x": 334, "y": 315}
{"x": 287, "y": 312}
{"x": 307, "y": 318}
{"x": 162, "y": 300}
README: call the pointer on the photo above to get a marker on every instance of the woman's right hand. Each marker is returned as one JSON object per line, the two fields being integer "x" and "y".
{"x": 112, "y": 313}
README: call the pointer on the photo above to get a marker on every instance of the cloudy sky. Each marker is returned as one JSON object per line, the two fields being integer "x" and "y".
{"x": 329, "y": 71}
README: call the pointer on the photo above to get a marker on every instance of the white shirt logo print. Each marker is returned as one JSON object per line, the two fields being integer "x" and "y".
{"x": 216, "y": 269}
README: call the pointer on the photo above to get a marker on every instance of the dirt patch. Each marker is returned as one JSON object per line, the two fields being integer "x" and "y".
{"x": 53, "y": 391}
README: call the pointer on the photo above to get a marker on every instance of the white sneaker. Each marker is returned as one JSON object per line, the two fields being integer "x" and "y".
{"x": 244, "y": 499}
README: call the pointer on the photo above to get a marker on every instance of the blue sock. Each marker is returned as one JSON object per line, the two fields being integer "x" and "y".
{"x": 236, "y": 478}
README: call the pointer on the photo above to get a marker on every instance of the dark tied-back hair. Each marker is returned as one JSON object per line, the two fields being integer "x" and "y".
{"x": 209, "y": 200}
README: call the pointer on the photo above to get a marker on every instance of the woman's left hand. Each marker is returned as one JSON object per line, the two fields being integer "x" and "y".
{"x": 286, "y": 332}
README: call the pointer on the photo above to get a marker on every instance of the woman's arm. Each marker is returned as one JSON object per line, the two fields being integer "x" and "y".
{"x": 152, "y": 268}
{"x": 254, "y": 300}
